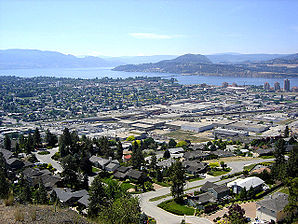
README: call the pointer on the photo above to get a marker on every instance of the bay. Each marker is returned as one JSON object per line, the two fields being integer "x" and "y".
{"x": 88, "y": 73}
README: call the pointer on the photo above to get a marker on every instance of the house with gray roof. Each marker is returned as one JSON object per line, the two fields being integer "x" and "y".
{"x": 197, "y": 154}
{"x": 271, "y": 208}
{"x": 68, "y": 197}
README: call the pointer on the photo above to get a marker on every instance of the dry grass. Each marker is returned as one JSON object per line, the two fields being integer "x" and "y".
{"x": 231, "y": 159}
{"x": 19, "y": 215}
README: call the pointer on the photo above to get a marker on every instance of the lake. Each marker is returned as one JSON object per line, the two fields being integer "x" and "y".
{"x": 107, "y": 72}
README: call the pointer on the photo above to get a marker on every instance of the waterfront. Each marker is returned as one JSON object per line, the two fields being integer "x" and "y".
{"x": 86, "y": 73}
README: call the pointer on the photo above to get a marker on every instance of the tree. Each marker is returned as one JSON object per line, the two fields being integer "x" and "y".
{"x": 172, "y": 143}
{"x": 236, "y": 214}
{"x": 4, "y": 184}
{"x": 292, "y": 168}
{"x": 243, "y": 194}
{"x": 137, "y": 158}
{"x": 85, "y": 165}
{"x": 223, "y": 165}
{"x": 98, "y": 198}
{"x": 7, "y": 142}
{"x": 119, "y": 150}
{"x": 166, "y": 154}
{"x": 41, "y": 194}
{"x": 117, "y": 213}
{"x": 159, "y": 175}
{"x": 286, "y": 133}
{"x": 51, "y": 139}
{"x": 36, "y": 138}
{"x": 279, "y": 167}
{"x": 177, "y": 176}
{"x": 143, "y": 219}
{"x": 153, "y": 162}
{"x": 292, "y": 207}
{"x": 182, "y": 144}
{"x": 251, "y": 193}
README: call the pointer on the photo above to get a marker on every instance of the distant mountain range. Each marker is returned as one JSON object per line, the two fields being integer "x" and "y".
{"x": 22, "y": 58}
{"x": 196, "y": 64}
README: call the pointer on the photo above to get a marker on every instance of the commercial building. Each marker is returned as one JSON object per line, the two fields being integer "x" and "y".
{"x": 276, "y": 86}
{"x": 286, "y": 85}
{"x": 266, "y": 86}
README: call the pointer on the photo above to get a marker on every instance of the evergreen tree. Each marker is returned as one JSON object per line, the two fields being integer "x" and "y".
{"x": 98, "y": 197}
{"x": 159, "y": 176}
{"x": 41, "y": 194}
{"x": 137, "y": 158}
{"x": 51, "y": 139}
{"x": 279, "y": 167}
{"x": 119, "y": 150}
{"x": 286, "y": 133}
{"x": 7, "y": 142}
{"x": 153, "y": 162}
{"x": 292, "y": 167}
{"x": 172, "y": 143}
{"x": 236, "y": 214}
{"x": 36, "y": 138}
{"x": 243, "y": 194}
{"x": 177, "y": 176}
{"x": 166, "y": 154}
{"x": 4, "y": 184}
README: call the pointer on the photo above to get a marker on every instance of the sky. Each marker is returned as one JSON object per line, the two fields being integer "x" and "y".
{"x": 150, "y": 27}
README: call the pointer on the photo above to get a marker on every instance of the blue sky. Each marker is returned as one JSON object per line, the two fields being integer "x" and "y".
{"x": 150, "y": 27}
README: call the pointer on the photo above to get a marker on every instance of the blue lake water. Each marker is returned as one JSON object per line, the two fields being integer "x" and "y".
{"x": 107, "y": 72}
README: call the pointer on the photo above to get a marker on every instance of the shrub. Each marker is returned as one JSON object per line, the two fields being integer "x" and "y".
{"x": 9, "y": 201}
{"x": 43, "y": 153}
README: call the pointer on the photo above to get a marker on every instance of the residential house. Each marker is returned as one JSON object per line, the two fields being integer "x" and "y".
{"x": 219, "y": 192}
{"x": 176, "y": 152}
{"x": 250, "y": 182}
{"x": 199, "y": 201}
{"x": 271, "y": 208}
{"x": 265, "y": 152}
{"x": 197, "y": 154}
{"x": 121, "y": 172}
{"x": 68, "y": 197}
{"x": 195, "y": 167}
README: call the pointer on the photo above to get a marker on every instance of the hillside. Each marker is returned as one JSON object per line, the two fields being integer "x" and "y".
{"x": 39, "y": 214}
{"x": 190, "y": 64}
{"x": 17, "y": 58}
{"x": 289, "y": 59}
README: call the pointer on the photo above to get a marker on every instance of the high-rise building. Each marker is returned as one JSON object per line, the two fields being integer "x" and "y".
{"x": 286, "y": 85}
{"x": 266, "y": 86}
{"x": 225, "y": 84}
{"x": 276, "y": 86}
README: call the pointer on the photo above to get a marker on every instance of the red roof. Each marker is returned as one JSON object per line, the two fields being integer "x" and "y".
{"x": 127, "y": 156}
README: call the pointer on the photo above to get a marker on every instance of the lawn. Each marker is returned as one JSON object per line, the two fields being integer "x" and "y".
{"x": 43, "y": 153}
{"x": 219, "y": 172}
{"x": 249, "y": 167}
{"x": 95, "y": 169}
{"x": 126, "y": 186}
{"x": 284, "y": 190}
{"x": 173, "y": 207}
{"x": 195, "y": 179}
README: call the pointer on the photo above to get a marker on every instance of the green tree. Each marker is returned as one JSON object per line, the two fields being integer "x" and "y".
{"x": 153, "y": 162}
{"x": 4, "y": 184}
{"x": 286, "y": 133}
{"x": 51, "y": 139}
{"x": 243, "y": 194}
{"x": 98, "y": 198}
{"x": 292, "y": 207}
{"x": 116, "y": 213}
{"x": 7, "y": 142}
{"x": 137, "y": 158}
{"x": 41, "y": 194}
{"x": 166, "y": 154}
{"x": 177, "y": 176}
{"x": 36, "y": 138}
{"x": 292, "y": 167}
{"x": 172, "y": 143}
{"x": 236, "y": 214}
{"x": 279, "y": 167}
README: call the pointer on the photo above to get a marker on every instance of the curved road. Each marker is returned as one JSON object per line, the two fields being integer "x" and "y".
{"x": 163, "y": 217}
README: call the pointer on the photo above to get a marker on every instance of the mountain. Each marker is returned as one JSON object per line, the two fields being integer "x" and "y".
{"x": 19, "y": 58}
{"x": 190, "y": 64}
{"x": 235, "y": 58}
{"x": 191, "y": 58}
{"x": 289, "y": 59}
